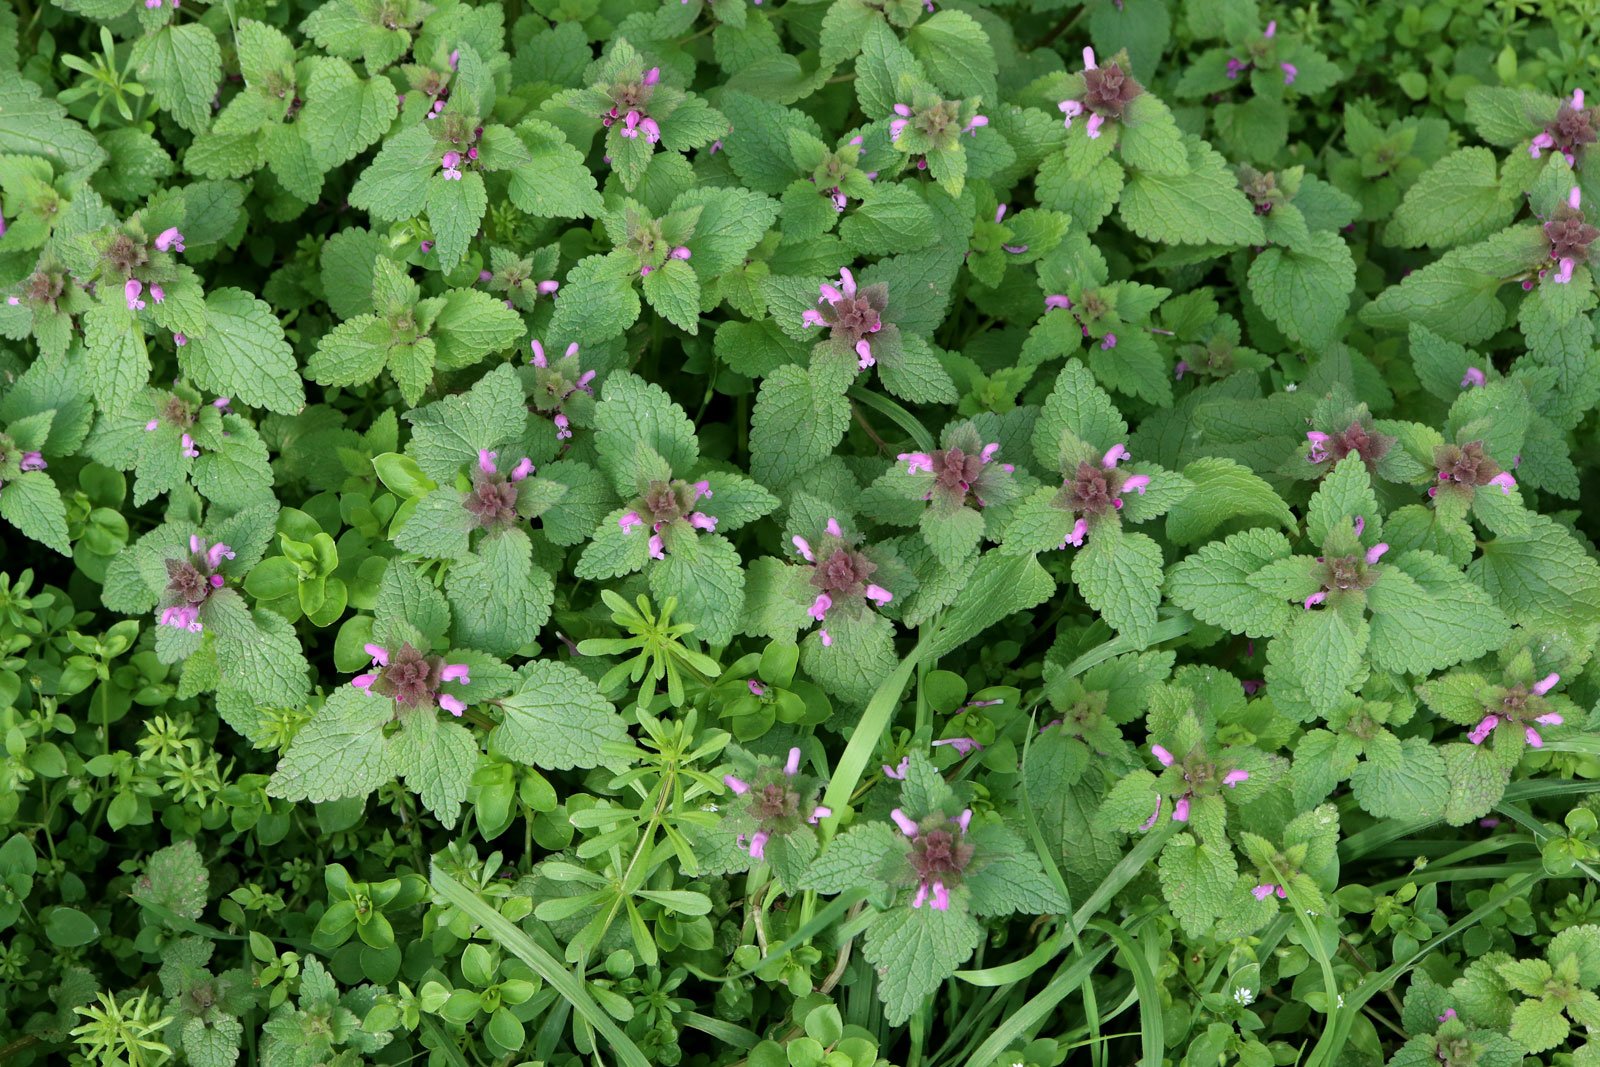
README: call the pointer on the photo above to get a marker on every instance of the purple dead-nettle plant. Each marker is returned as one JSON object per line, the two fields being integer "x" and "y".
{"x": 1352, "y": 572}
{"x": 412, "y": 678}
{"x": 494, "y": 496}
{"x": 656, "y": 242}
{"x": 1195, "y": 775}
{"x": 939, "y": 856}
{"x": 191, "y": 580}
{"x": 836, "y": 172}
{"x": 15, "y": 460}
{"x": 854, "y": 317}
{"x": 773, "y": 805}
{"x": 1573, "y": 129}
{"x": 629, "y": 109}
{"x": 1464, "y": 469}
{"x": 667, "y": 511}
{"x": 1105, "y": 93}
{"x": 1514, "y": 713}
{"x": 1570, "y": 236}
{"x": 558, "y": 385}
{"x": 965, "y": 473}
{"x": 1325, "y": 448}
{"x": 181, "y": 414}
{"x": 841, "y": 574}
{"x": 1093, "y": 491}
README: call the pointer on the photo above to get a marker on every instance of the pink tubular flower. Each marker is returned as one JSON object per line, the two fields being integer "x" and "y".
{"x": 1267, "y": 889}
{"x": 451, "y": 162}
{"x": 1319, "y": 446}
{"x": 33, "y": 461}
{"x": 1075, "y": 536}
{"x": 1290, "y": 73}
{"x": 1314, "y": 599}
{"x": 701, "y": 521}
{"x": 758, "y": 844}
{"x": 681, "y": 252}
{"x": 819, "y": 607}
{"x": 1565, "y": 267}
{"x": 1504, "y": 481}
{"x": 1149, "y": 824}
{"x": 1481, "y": 732}
{"x": 812, "y": 317}
{"x": 802, "y": 546}
{"x": 906, "y": 824}
{"x": 130, "y": 292}
{"x": 1376, "y": 552}
{"x": 899, "y": 770}
{"x": 158, "y": 294}
{"x": 1547, "y": 683}
{"x": 864, "y": 350}
{"x": 1473, "y": 377}
{"x": 189, "y": 450}
{"x": 452, "y": 704}
{"x": 1137, "y": 482}
{"x": 1071, "y": 109}
{"x": 964, "y": 746}
{"x": 916, "y": 461}
{"x": 1108, "y": 342}
{"x": 879, "y": 595}
{"x": 629, "y": 521}
{"x": 756, "y": 688}
{"x": 977, "y": 123}
{"x": 1057, "y": 301}
{"x": 179, "y": 340}
{"x": 1162, "y": 756}
{"x": 1114, "y": 455}
{"x": 1234, "y": 777}
{"x": 658, "y": 547}
{"x": 523, "y": 468}
{"x": 169, "y": 240}
{"x": 896, "y": 128}
{"x": 486, "y": 460}
{"x": 738, "y": 785}
{"x": 1088, "y": 59}
{"x": 1095, "y": 122}
{"x": 1180, "y": 810}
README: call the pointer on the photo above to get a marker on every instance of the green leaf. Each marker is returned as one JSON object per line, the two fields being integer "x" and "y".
{"x": 916, "y": 373}
{"x": 455, "y": 211}
{"x": 395, "y": 184}
{"x": 597, "y": 302}
{"x": 1079, "y": 407}
{"x": 955, "y": 51}
{"x": 447, "y": 435}
{"x": 1541, "y": 576}
{"x": 1322, "y": 653}
{"x": 1202, "y": 206}
{"x": 258, "y": 652}
{"x": 470, "y": 325}
{"x": 1197, "y": 878}
{"x": 892, "y": 218}
{"x": 914, "y": 950}
{"x": 1345, "y": 494}
{"x": 436, "y": 759}
{"x": 859, "y": 857}
{"x": 1456, "y": 200}
{"x": 244, "y": 354}
{"x": 703, "y": 572}
{"x": 343, "y": 114}
{"x": 1451, "y": 296}
{"x": 634, "y": 414}
{"x": 557, "y": 719}
{"x": 32, "y": 504}
{"x": 70, "y": 928}
{"x": 1150, "y": 140}
{"x": 175, "y": 878}
{"x": 555, "y": 183}
{"x": 118, "y": 364}
{"x": 182, "y": 66}
{"x": 800, "y": 415}
{"x": 731, "y": 223}
{"x": 498, "y": 596}
{"x": 1305, "y": 289}
{"x": 339, "y": 753}
{"x": 1224, "y": 492}
{"x": 1538, "y": 1025}
{"x": 999, "y": 588}
{"x": 1400, "y": 780}
{"x": 1213, "y": 583}
{"x": 673, "y": 290}
{"x": 1433, "y": 620}
{"x": 1119, "y": 574}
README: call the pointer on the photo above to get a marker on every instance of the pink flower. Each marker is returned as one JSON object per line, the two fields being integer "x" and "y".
{"x": 629, "y": 521}
{"x": 819, "y": 607}
{"x": 130, "y": 292}
{"x": 802, "y": 546}
{"x": 1079, "y": 531}
{"x": 681, "y": 252}
{"x": 906, "y": 824}
{"x": 1095, "y": 122}
{"x": 1319, "y": 446}
{"x": 169, "y": 239}
{"x": 1114, "y": 455}
{"x": 455, "y": 672}
{"x": 180, "y": 340}
{"x": 1108, "y": 342}
{"x": 1180, "y": 810}
{"x": 701, "y": 521}
{"x": 1314, "y": 599}
{"x": 1137, "y": 483}
{"x": 1262, "y": 892}
{"x": 916, "y": 461}
{"x": 33, "y": 461}
{"x": 1150, "y": 823}
{"x": 738, "y": 785}
{"x": 451, "y": 163}
{"x": 879, "y": 595}
{"x": 1234, "y": 777}
{"x": 898, "y": 771}
{"x": 1504, "y": 481}
{"x": 1547, "y": 683}
{"x": 756, "y": 688}
{"x": 964, "y": 746}
{"x": 452, "y": 704}
{"x": 758, "y": 844}
{"x": 1162, "y": 756}
{"x": 486, "y": 460}
{"x": 1071, "y": 109}
{"x": 1057, "y": 301}
{"x": 1376, "y": 552}
{"x": 1290, "y": 72}
{"x": 158, "y": 294}
{"x": 189, "y": 450}
{"x": 658, "y": 548}
{"x": 978, "y": 122}
{"x": 1481, "y": 732}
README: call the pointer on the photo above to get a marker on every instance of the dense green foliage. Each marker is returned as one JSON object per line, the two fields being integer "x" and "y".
{"x": 816, "y": 532}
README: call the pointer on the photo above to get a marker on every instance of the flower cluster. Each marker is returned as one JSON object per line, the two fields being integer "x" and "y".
{"x": 1570, "y": 236}
{"x": 1107, "y": 91}
{"x": 1093, "y": 307}
{"x": 1357, "y": 437}
{"x": 1573, "y": 128}
{"x": 411, "y": 678}
{"x": 1198, "y": 776}
{"x": 776, "y": 803}
{"x": 1519, "y": 705}
{"x": 667, "y": 508}
{"x": 963, "y": 472}
{"x": 1344, "y": 574}
{"x": 842, "y": 576}
{"x": 853, "y": 315}
{"x": 939, "y": 855}
{"x": 1468, "y": 467}
{"x": 1258, "y": 53}
{"x": 25, "y": 460}
{"x": 630, "y": 102}
{"x": 555, "y": 382}
{"x": 492, "y": 501}
{"x": 191, "y": 580}
{"x": 1092, "y": 491}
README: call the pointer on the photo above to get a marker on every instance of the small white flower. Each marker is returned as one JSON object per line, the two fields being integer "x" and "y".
{"x": 1291, "y": 387}
{"x": 1243, "y": 997}
{"x": 1341, "y": 1000}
